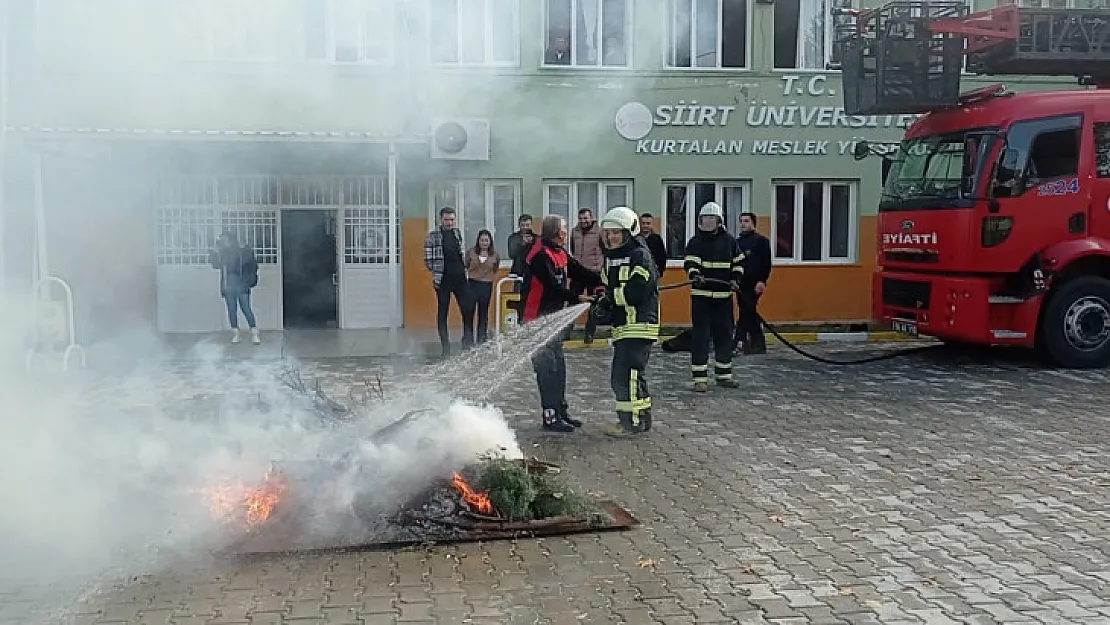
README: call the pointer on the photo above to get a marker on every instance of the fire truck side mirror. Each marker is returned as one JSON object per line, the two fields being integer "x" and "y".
{"x": 861, "y": 150}
{"x": 1008, "y": 177}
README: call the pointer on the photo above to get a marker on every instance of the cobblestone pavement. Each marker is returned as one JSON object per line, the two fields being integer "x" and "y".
{"x": 930, "y": 489}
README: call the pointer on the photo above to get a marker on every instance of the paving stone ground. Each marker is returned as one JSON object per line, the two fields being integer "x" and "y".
{"x": 932, "y": 489}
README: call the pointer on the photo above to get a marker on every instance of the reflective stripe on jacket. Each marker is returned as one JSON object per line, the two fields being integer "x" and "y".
{"x": 714, "y": 256}
{"x": 633, "y": 282}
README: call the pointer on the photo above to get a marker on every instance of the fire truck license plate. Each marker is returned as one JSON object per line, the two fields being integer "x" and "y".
{"x": 904, "y": 327}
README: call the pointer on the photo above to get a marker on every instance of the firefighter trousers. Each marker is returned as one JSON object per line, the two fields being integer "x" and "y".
{"x": 711, "y": 318}
{"x": 627, "y": 376}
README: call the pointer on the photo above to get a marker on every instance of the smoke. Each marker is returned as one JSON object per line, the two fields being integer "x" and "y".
{"x": 107, "y": 476}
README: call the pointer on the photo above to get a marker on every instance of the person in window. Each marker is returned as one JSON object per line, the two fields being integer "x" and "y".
{"x": 443, "y": 256}
{"x": 757, "y": 270}
{"x": 546, "y": 291}
{"x": 238, "y": 275}
{"x": 613, "y": 53}
{"x": 715, "y": 265}
{"x": 558, "y": 53}
{"x": 482, "y": 263}
{"x": 585, "y": 246}
{"x": 654, "y": 243}
{"x": 520, "y": 243}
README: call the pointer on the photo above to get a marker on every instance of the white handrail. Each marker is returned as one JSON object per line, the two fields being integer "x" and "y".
{"x": 71, "y": 325}
{"x": 512, "y": 277}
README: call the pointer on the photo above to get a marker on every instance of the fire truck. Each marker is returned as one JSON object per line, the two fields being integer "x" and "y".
{"x": 994, "y": 219}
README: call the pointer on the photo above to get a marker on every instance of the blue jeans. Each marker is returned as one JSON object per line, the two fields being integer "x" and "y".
{"x": 237, "y": 300}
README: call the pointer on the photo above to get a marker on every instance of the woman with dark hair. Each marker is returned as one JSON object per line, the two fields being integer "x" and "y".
{"x": 238, "y": 275}
{"x": 482, "y": 263}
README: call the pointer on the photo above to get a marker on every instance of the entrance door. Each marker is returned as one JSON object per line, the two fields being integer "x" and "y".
{"x": 309, "y": 268}
{"x": 366, "y": 300}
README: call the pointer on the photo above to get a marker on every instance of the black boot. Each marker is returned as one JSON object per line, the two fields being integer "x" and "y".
{"x": 645, "y": 419}
{"x": 552, "y": 422}
{"x": 625, "y": 429}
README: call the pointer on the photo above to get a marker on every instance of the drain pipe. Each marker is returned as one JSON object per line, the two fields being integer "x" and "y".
{"x": 391, "y": 238}
{"x": 3, "y": 151}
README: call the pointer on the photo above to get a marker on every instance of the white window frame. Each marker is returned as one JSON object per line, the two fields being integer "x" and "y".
{"x": 830, "y": 40}
{"x": 629, "y": 24}
{"x": 488, "y": 186}
{"x": 826, "y": 218}
{"x": 489, "y": 25}
{"x": 575, "y": 204}
{"x": 390, "y": 21}
{"x": 691, "y": 211}
{"x": 1071, "y": 4}
{"x": 668, "y": 34}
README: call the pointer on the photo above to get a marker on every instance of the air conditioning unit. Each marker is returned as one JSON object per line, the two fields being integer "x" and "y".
{"x": 458, "y": 139}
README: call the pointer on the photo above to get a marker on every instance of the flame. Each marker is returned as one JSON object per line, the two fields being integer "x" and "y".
{"x": 476, "y": 500}
{"x": 236, "y": 503}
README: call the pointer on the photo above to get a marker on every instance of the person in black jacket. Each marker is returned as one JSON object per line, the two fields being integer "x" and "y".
{"x": 654, "y": 242}
{"x": 238, "y": 275}
{"x": 757, "y": 270}
{"x": 632, "y": 293}
{"x": 546, "y": 290}
{"x": 714, "y": 262}
{"x": 519, "y": 244}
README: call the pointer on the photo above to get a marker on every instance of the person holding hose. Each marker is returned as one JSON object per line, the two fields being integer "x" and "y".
{"x": 632, "y": 294}
{"x": 714, "y": 263}
{"x": 548, "y": 274}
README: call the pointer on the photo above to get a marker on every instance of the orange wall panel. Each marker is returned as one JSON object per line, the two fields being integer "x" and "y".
{"x": 796, "y": 292}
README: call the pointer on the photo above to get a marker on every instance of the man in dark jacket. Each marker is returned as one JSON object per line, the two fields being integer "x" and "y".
{"x": 520, "y": 243}
{"x": 715, "y": 264}
{"x": 547, "y": 290}
{"x": 654, "y": 242}
{"x": 238, "y": 275}
{"x": 632, "y": 291}
{"x": 443, "y": 256}
{"x": 757, "y": 270}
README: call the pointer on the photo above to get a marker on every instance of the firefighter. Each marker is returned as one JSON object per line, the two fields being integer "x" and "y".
{"x": 714, "y": 264}
{"x": 631, "y": 291}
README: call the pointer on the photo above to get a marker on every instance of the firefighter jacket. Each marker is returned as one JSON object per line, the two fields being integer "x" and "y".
{"x": 546, "y": 280}
{"x": 714, "y": 256}
{"x": 632, "y": 280}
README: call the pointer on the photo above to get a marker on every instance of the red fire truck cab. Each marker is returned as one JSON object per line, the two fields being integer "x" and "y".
{"x": 994, "y": 220}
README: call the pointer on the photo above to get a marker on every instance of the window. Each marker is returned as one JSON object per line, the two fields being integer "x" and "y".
{"x": 473, "y": 32}
{"x": 815, "y": 222}
{"x": 805, "y": 31}
{"x": 1041, "y": 4}
{"x": 587, "y": 33}
{"x": 683, "y": 200}
{"x": 1038, "y": 150}
{"x": 492, "y": 205}
{"x": 567, "y": 197}
{"x": 707, "y": 33}
{"x": 1102, "y": 149}
{"x": 349, "y": 31}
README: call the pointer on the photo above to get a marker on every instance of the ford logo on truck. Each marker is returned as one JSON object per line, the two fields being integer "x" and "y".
{"x": 904, "y": 238}
{"x": 907, "y": 225}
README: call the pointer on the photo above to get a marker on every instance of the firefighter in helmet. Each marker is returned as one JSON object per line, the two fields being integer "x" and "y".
{"x": 631, "y": 293}
{"x": 714, "y": 264}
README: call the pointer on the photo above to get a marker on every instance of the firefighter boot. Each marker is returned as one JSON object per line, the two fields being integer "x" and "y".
{"x": 625, "y": 428}
{"x": 701, "y": 386}
{"x": 552, "y": 422}
{"x": 645, "y": 419}
{"x": 727, "y": 383}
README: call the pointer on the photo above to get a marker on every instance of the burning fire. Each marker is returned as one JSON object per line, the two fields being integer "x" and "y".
{"x": 236, "y": 503}
{"x": 476, "y": 500}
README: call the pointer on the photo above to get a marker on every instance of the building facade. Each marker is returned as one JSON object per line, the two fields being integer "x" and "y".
{"x": 328, "y": 133}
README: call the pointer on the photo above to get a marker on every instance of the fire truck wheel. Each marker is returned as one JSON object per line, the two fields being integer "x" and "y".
{"x": 1075, "y": 325}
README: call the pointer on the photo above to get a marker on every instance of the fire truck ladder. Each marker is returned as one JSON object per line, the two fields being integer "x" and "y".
{"x": 908, "y": 56}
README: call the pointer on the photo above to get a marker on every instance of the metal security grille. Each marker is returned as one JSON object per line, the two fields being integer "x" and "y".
{"x": 186, "y": 234}
{"x": 256, "y": 228}
{"x": 366, "y": 222}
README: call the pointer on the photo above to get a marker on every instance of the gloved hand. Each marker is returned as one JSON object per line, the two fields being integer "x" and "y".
{"x": 734, "y": 285}
{"x": 600, "y": 293}
{"x": 699, "y": 280}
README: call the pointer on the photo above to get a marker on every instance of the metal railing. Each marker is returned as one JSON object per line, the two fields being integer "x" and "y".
{"x": 55, "y": 328}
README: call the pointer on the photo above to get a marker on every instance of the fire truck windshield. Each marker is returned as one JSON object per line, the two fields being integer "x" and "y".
{"x": 937, "y": 171}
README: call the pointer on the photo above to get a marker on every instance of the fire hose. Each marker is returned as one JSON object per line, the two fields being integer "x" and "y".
{"x": 600, "y": 307}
